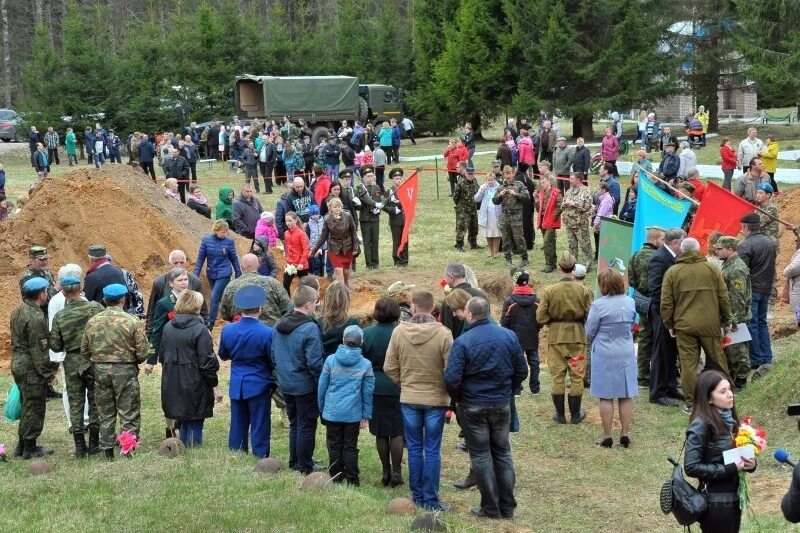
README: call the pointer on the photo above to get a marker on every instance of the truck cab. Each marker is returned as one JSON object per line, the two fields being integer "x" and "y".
{"x": 383, "y": 101}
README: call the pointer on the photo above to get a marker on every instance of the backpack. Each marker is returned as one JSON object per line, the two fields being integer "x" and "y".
{"x": 514, "y": 156}
{"x": 679, "y": 497}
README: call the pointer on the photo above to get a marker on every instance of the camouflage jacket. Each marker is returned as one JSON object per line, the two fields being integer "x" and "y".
{"x": 511, "y": 204}
{"x": 464, "y": 195}
{"x": 30, "y": 273}
{"x": 769, "y": 226}
{"x": 66, "y": 333}
{"x": 577, "y": 214}
{"x": 114, "y": 336}
{"x": 275, "y": 306}
{"x": 637, "y": 270}
{"x": 30, "y": 355}
{"x": 737, "y": 280}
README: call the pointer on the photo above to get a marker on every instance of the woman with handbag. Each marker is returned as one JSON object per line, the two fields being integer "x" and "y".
{"x": 339, "y": 231}
{"x": 710, "y": 433}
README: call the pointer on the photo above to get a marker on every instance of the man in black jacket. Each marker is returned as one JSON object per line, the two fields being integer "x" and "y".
{"x": 582, "y": 160}
{"x": 178, "y": 168}
{"x": 667, "y": 138}
{"x": 670, "y": 163}
{"x": 147, "y": 151}
{"x": 100, "y": 274}
{"x": 212, "y": 144}
{"x": 663, "y": 362}
{"x": 758, "y": 253}
{"x": 189, "y": 151}
{"x": 161, "y": 288}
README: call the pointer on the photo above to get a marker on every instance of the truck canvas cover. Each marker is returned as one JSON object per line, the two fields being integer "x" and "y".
{"x": 312, "y": 97}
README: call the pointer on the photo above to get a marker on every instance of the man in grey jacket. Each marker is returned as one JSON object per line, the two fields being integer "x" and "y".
{"x": 246, "y": 212}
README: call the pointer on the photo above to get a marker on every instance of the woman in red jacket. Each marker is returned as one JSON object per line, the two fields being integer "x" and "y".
{"x": 527, "y": 154}
{"x": 295, "y": 245}
{"x": 454, "y": 153}
{"x": 728, "y": 155}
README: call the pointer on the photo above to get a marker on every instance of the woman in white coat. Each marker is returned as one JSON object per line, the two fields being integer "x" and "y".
{"x": 489, "y": 213}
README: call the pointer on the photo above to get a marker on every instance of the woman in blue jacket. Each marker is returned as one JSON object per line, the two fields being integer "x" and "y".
{"x": 219, "y": 251}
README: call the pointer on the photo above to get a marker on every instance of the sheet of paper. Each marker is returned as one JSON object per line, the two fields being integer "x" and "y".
{"x": 742, "y": 334}
{"x": 730, "y": 456}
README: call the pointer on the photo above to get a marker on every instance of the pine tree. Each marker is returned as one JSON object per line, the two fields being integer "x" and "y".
{"x": 45, "y": 66}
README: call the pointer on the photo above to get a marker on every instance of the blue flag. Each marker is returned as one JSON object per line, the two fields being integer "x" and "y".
{"x": 654, "y": 207}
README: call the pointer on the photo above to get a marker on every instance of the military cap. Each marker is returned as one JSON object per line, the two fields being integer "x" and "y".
{"x": 395, "y": 172}
{"x": 727, "y": 242}
{"x": 566, "y": 261}
{"x": 346, "y": 174}
{"x": 38, "y": 251}
{"x": 249, "y": 297}
{"x": 496, "y": 163}
{"x": 367, "y": 169}
{"x": 97, "y": 251}
{"x": 579, "y": 271}
{"x": 69, "y": 281}
{"x": 399, "y": 286}
{"x": 353, "y": 332}
{"x": 766, "y": 187}
{"x": 115, "y": 291}
{"x": 34, "y": 285}
{"x": 750, "y": 218}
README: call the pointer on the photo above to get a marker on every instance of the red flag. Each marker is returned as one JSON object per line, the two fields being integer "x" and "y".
{"x": 720, "y": 211}
{"x": 407, "y": 193}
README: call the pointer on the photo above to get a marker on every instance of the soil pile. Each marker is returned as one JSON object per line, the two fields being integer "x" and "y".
{"x": 788, "y": 211}
{"x": 114, "y": 205}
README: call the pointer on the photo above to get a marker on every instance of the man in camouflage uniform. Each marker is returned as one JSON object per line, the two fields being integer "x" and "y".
{"x": 275, "y": 306}
{"x": 688, "y": 189}
{"x": 115, "y": 342}
{"x": 637, "y": 273}
{"x": 575, "y": 214}
{"x": 564, "y": 307}
{"x": 466, "y": 214}
{"x": 38, "y": 268}
{"x": 769, "y": 227}
{"x": 737, "y": 280}
{"x": 371, "y": 198}
{"x": 66, "y": 335}
{"x": 30, "y": 365}
{"x": 511, "y": 196}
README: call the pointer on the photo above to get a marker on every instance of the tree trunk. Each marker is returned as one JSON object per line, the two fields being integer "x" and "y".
{"x": 582, "y": 126}
{"x": 475, "y": 120}
{"x": 6, "y": 55}
{"x": 38, "y": 12}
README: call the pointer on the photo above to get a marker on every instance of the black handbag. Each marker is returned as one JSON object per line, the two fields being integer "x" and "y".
{"x": 679, "y": 497}
{"x": 641, "y": 302}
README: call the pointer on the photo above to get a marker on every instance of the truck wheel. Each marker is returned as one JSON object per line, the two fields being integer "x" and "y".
{"x": 319, "y": 134}
{"x": 363, "y": 110}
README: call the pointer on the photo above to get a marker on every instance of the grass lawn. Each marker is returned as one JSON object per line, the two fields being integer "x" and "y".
{"x": 564, "y": 482}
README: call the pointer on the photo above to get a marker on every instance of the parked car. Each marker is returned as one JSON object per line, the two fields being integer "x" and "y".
{"x": 9, "y": 122}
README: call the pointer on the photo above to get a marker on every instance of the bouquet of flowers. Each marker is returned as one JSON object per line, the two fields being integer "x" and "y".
{"x": 756, "y": 438}
{"x": 447, "y": 288}
{"x": 575, "y": 363}
{"x": 3, "y": 456}
{"x": 290, "y": 270}
{"x": 127, "y": 443}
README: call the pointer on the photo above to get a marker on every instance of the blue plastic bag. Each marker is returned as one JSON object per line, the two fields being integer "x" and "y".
{"x": 13, "y": 408}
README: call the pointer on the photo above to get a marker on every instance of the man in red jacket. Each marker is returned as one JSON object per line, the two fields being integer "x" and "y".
{"x": 548, "y": 220}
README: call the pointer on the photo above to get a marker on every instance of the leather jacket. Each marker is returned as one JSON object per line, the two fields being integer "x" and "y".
{"x": 703, "y": 458}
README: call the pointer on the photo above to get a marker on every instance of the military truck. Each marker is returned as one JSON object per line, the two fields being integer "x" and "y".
{"x": 322, "y": 101}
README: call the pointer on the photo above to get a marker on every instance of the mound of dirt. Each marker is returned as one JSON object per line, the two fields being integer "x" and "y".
{"x": 114, "y": 205}
{"x": 789, "y": 211}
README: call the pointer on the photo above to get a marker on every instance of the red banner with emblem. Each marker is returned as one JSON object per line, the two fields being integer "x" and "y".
{"x": 408, "y": 193}
{"x": 720, "y": 210}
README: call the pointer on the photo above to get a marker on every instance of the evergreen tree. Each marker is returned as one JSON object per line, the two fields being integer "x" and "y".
{"x": 43, "y": 102}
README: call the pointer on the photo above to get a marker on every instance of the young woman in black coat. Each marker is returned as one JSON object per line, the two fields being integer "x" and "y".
{"x": 189, "y": 375}
{"x": 711, "y": 432}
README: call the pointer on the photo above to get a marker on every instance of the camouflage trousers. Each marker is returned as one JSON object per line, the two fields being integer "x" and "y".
{"x": 34, "y": 405}
{"x": 579, "y": 240}
{"x": 467, "y": 222}
{"x": 738, "y": 357}
{"x": 512, "y": 234}
{"x": 645, "y": 347}
{"x": 549, "y": 247}
{"x": 116, "y": 393}
{"x": 559, "y": 365}
{"x": 79, "y": 382}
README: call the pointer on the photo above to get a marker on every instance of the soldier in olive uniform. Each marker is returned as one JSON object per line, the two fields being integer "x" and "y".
{"x": 576, "y": 216}
{"x": 66, "y": 335}
{"x": 564, "y": 307}
{"x": 371, "y": 198}
{"x": 38, "y": 268}
{"x": 30, "y": 365}
{"x": 769, "y": 226}
{"x": 637, "y": 278}
{"x": 274, "y": 307}
{"x": 466, "y": 214}
{"x": 512, "y": 195}
{"x": 689, "y": 189}
{"x": 115, "y": 342}
{"x": 737, "y": 280}
{"x": 397, "y": 219}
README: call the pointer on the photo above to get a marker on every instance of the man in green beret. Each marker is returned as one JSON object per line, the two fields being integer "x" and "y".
{"x": 737, "y": 280}
{"x": 38, "y": 267}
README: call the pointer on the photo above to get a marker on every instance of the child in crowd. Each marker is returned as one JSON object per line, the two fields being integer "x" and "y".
{"x": 519, "y": 315}
{"x": 295, "y": 243}
{"x": 314, "y": 230}
{"x": 197, "y": 201}
{"x": 265, "y": 227}
{"x": 344, "y": 396}
{"x": 171, "y": 189}
{"x": 266, "y": 263}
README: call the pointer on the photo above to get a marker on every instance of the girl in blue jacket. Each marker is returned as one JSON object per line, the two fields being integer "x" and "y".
{"x": 219, "y": 251}
{"x": 345, "y": 401}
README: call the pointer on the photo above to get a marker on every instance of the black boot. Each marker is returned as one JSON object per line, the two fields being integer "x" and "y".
{"x": 109, "y": 453}
{"x": 397, "y": 476}
{"x": 20, "y": 448}
{"x": 468, "y": 482}
{"x": 386, "y": 478}
{"x": 94, "y": 441}
{"x": 268, "y": 185}
{"x": 576, "y": 415}
{"x": 80, "y": 445}
{"x": 31, "y": 450}
{"x": 170, "y": 433}
{"x": 558, "y": 403}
